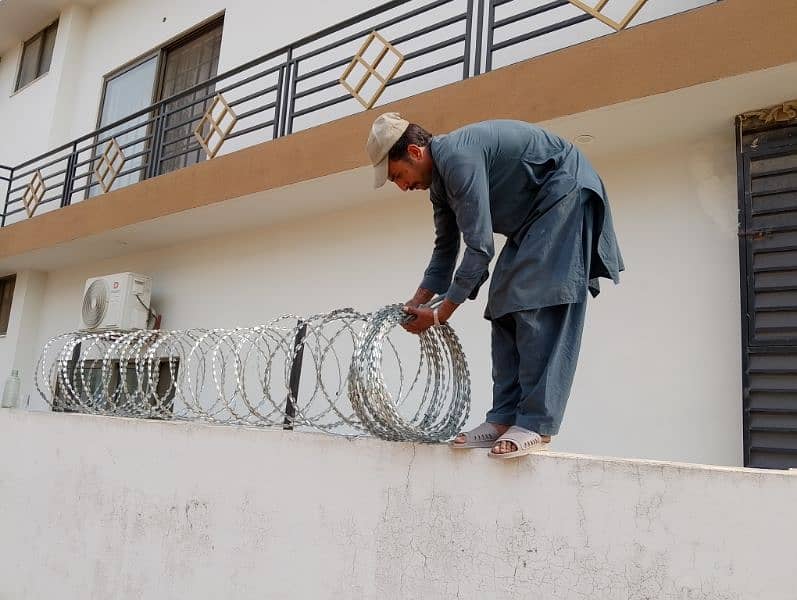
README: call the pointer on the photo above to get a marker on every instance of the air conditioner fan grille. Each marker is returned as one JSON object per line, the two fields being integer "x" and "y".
{"x": 95, "y": 303}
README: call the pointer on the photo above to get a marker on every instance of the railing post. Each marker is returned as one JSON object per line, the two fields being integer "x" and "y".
{"x": 156, "y": 149}
{"x": 477, "y": 59}
{"x": 468, "y": 36}
{"x": 292, "y": 98}
{"x": 278, "y": 103}
{"x": 8, "y": 195}
{"x": 69, "y": 177}
{"x": 295, "y": 376}
{"x": 488, "y": 51}
{"x": 284, "y": 91}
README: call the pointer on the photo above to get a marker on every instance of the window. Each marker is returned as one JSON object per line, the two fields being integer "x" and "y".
{"x": 191, "y": 61}
{"x": 6, "y": 295}
{"x": 37, "y": 53}
{"x": 126, "y": 92}
{"x": 767, "y": 169}
{"x": 167, "y": 71}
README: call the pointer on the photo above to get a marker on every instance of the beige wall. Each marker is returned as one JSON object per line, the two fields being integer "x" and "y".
{"x": 660, "y": 373}
{"x": 98, "y": 508}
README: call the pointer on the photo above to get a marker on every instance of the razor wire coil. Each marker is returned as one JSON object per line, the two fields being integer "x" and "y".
{"x": 343, "y": 372}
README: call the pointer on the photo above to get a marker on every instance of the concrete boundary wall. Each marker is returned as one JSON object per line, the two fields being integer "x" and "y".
{"x": 114, "y": 508}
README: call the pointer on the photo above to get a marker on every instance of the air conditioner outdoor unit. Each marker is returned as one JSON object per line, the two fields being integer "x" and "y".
{"x": 118, "y": 301}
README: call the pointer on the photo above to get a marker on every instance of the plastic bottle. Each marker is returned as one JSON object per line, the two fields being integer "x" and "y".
{"x": 11, "y": 390}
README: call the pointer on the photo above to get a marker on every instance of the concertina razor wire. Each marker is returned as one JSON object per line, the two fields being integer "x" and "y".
{"x": 342, "y": 372}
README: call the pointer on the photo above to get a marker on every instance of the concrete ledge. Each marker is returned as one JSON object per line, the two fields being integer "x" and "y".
{"x": 114, "y": 508}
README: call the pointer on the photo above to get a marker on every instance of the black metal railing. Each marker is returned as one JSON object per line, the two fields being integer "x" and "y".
{"x": 296, "y": 87}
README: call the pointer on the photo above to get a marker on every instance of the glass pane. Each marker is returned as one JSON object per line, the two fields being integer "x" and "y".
{"x": 125, "y": 94}
{"x": 128, "y": 92}
{"x": 47, "y": 50}
{"x": 30, "y": 60}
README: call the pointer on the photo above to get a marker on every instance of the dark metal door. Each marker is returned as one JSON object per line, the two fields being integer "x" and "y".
{"x": 767, "y": 169}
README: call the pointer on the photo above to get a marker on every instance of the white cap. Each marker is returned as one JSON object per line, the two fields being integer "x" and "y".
{"x": 385, "y": 132}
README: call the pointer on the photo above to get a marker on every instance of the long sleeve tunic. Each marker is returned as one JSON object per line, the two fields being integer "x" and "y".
{"x": 537, "y": 189}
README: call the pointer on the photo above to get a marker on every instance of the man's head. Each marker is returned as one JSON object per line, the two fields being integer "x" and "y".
{"x": 399, "y": 151}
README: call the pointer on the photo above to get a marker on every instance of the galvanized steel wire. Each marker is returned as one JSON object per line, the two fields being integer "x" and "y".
{"x": 358, "y": 375}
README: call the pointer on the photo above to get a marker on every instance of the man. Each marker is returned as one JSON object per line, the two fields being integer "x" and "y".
{"x": 538, "y": 190}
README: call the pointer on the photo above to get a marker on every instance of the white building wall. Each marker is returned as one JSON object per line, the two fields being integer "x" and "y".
{"x": 67, "y": 69}
{"x": 19, "y": 347}
{"x": 25, "y": 115}
{"x": 38, "y": 117}
{"x": 98, "y": 508}
{"x": 659, "y": 374}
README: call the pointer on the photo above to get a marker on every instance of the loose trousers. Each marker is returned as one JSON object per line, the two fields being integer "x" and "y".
{"x": 534, "y": 360}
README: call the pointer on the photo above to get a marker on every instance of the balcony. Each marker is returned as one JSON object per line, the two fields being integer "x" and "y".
{"x": 297, "y": 87}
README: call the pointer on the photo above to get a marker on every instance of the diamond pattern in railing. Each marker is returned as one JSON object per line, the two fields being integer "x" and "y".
{"x": 371, "y": 69}
{"x": 109, "y": 165}
{"x": 34, "y": 193}
{"x": 595, "y": 11}
{"x": 215, "y": 125}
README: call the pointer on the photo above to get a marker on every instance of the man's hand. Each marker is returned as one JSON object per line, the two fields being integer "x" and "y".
{"x": 422, "y": 296}
{"x": 422, "y": 319}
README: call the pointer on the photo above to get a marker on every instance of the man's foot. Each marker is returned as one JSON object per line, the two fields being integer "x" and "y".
{"x": 482, "y": 436}
{"x": 523, "y": 442}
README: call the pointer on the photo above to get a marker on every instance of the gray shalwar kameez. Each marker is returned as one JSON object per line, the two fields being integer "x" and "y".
{"x": 538, "y": 190}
